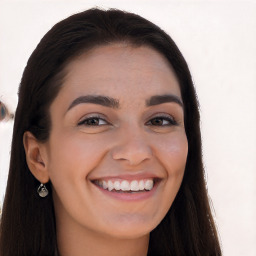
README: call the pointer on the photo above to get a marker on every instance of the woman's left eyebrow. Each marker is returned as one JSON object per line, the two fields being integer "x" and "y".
{"x": 160, "y": 99}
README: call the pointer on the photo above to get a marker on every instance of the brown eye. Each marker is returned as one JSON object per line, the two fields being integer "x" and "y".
{"x": 93, "y": 121}
{"x": 157, "y": 121}
{"x": 162, "y": 121}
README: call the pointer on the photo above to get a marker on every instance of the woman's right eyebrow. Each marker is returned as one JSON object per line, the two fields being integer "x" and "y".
{"x": 95, "y": 99}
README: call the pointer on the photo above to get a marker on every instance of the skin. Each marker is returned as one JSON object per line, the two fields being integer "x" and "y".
{"x": 127, "y": 140}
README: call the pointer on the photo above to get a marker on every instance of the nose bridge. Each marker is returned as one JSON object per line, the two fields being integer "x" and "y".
{"x": 132, "y": 145}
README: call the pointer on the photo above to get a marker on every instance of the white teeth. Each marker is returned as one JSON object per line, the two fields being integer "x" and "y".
{"x": 110, "y": 185}
{"x": 117, "y": 185}
{"x": 141, "y": 185}
{"x": 105, "y": 184}
{"x": 135, "y": 185}
{"x": 149, "y": 184}
{"x": 125, "y": 185}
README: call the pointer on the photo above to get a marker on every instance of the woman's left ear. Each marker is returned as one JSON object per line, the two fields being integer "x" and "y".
{"x": 36, "y": 157}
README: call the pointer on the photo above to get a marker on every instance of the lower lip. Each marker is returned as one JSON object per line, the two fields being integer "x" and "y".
{"x": 137, "y": 196}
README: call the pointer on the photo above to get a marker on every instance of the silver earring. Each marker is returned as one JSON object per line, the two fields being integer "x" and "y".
{"x": 42, "y": 190}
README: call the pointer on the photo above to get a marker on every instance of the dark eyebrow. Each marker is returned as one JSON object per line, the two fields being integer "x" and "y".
{"x": 95, "y": 99}
{"x": 160, "y": 99}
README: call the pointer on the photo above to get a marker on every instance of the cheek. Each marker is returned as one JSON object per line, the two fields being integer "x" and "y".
{"x": 72, "y": 159}
{"x": 172, "y": 153}
{"x": 75, "y": 157}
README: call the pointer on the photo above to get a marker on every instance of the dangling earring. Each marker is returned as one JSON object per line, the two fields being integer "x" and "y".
{"x": 42, "y": 190}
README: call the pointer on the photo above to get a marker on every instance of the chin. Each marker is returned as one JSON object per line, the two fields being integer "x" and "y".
{"x": 131, "y": 230}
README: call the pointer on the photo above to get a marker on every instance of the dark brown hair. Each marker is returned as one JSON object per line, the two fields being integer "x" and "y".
{"x": 28, "y": 222}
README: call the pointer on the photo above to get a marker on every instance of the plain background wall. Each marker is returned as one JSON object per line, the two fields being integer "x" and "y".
{"x": 217, "y": 38}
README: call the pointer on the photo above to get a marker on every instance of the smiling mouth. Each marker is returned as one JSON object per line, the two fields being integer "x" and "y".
{"x": 125, "y": 186}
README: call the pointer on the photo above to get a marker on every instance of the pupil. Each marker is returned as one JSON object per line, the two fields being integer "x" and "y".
{"x": 93, "y": 121}
{"x": 157, "y": 121}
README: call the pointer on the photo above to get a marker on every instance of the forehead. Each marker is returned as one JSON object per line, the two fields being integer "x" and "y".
{"x": 120, "y": 70}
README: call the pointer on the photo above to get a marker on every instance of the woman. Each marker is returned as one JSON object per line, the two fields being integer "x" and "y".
{"x": 106, "y": 154}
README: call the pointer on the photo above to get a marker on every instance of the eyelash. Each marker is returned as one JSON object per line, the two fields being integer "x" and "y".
{"x": 171, "y": 121}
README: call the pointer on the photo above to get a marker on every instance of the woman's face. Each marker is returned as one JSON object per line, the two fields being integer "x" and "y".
{"x": 117, "y": 148}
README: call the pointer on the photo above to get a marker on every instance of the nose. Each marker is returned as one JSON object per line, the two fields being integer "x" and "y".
{"x": 132, "y": 148}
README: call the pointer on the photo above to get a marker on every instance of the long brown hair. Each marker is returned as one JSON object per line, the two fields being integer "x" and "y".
{"x": 28, "y": 222}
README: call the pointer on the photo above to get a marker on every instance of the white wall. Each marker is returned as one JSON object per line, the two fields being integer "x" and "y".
{"x": 217, "y": 39}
